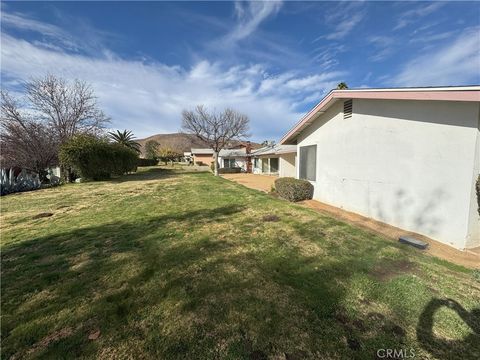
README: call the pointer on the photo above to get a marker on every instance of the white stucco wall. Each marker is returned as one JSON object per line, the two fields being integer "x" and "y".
{"x": 287, "y": 165}
{"x": 239, "y": 162}
{"x": 407, "y": 163}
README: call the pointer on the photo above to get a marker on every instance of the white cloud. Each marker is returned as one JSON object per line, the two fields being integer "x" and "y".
{"x": 345, "y": 26}
{"x": 22, "y": 22}
{"x": 432, "y": 37}
{"x": 250, "y": 15}
{"x": 456, "y": 63}
{"x": 384, "y": 46}
{"x": 412, "y": 15}
{"x": 149, "y": 97}
{"x": 343, "y": 18}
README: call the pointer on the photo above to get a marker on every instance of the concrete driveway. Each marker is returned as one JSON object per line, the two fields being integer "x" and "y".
{"x": 253, "y": 181}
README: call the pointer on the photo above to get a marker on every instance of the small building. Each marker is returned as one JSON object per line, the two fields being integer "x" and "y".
{"x": 235, "y": 156}
{"x": 275, "y": 160}
{"x": 408, "y": 157}
{"x": 202, "y": 156}
{"x": 187, "y": 157}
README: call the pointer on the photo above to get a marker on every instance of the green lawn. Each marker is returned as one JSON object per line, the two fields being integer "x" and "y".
{"x": 165, "y": 264}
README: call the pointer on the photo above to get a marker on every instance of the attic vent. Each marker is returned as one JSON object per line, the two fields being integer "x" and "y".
{"x": 347, "y": 109}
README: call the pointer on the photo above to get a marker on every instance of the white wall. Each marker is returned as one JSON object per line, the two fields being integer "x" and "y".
{"x": 406, "y": 163}
{"x": 287, "y": 165}
{"x": 239, "y": 162}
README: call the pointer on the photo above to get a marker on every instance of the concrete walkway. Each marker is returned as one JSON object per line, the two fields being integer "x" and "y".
{"x": 253, "y": 181}
{"x": 470, "y": 259}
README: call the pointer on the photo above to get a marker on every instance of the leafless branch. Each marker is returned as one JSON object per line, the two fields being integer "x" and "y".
{"x": 217, "y": 129}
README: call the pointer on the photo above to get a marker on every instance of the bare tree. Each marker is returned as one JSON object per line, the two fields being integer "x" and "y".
{"x": 69, "y": 108}
{"x": 52, "y": 111}
{"x": 217, "y": 129}
{"x": 24, "y": 142}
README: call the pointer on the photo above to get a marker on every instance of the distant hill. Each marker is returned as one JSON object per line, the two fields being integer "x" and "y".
{"x": 181, "y": 142}
{"x": 178, "y": 142}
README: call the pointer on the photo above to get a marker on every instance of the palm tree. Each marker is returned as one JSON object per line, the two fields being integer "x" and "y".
{"x": 125, "y": 138}
{"x": 342, "y": 86}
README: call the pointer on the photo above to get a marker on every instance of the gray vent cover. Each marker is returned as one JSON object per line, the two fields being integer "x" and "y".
{"x": 347, "y": 109}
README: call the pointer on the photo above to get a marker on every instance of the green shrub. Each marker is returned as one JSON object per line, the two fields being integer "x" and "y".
{"x": 147, "y": 162}
{"x": 96, "y": 159}
{"x": 232, "y": 170}
{"x": 294, "y": 189}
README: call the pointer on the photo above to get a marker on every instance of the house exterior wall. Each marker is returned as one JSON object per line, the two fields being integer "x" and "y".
{"x": 287, "y": 165}
{"x": 264, "y": 163}
{"x": 408, "y": 163}
{"x": 205, "y": 158}
{"x": 239, "y": 162}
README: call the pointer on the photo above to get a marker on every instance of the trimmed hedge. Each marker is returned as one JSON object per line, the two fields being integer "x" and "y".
{"x": 96, "y": 159}
{"x": 232, "y": 170}
{"x": 293, "y": 189}
{"x": 147, "y": 162}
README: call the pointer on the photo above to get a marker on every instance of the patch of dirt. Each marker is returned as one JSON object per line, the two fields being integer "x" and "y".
{"x": 42, "y": 215}
{"x": 253, "y": 181}
{"x": 63, "y": 207}
{"x": 94, "y": 335}
{"x": 392, "y": 269}
{"x": 270, "y": 217}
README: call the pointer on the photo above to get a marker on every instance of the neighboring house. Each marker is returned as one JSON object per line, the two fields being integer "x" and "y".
{"x": 233, "y": 158}
{"x": 407, "y": 157}
{"x": 238, "y": 155}
{"x": 187, "y": 156}
{"x": 275, "y": 160}
{"x": 202, "y": 156}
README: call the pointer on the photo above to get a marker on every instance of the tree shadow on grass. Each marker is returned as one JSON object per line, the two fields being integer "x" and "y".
{"x": 46, "y": 276}
{"x": 181, "y": 286}
{"x": 154, "y": 173}
{"x": 447, "y": 348}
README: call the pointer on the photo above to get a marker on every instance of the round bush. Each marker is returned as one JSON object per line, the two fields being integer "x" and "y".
{"x": 97, "y": 159}
{"x": 294, "y": 189}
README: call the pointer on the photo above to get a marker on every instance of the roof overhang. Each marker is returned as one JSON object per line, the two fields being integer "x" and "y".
{"x": 468, "y": 93}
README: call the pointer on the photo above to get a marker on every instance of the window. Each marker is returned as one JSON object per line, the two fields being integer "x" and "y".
{"x": 273, "y": 165}
{"x": 228, "y": 163}
{"x": 308, "y": 162}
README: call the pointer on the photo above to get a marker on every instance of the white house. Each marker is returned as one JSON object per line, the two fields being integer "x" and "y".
{"x": 233, "y": 158}
{"x": 275, "y": 160}
{"x": 237, "y": 156}
{"x": 406, "y": 157}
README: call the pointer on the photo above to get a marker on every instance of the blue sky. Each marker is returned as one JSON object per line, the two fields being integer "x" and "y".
{"x": 271, "y": 60}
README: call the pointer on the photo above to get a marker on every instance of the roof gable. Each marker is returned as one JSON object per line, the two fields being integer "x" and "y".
{"x": 467, "y": 93}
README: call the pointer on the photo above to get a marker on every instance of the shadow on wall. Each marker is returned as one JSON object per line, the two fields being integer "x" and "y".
{"x": 446, "y": 112}
{"x": 424, "y": 216}
{"x": 439, "y": 347}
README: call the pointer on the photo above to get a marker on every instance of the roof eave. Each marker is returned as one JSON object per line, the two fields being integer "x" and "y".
{"x": 438, "y": 94}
